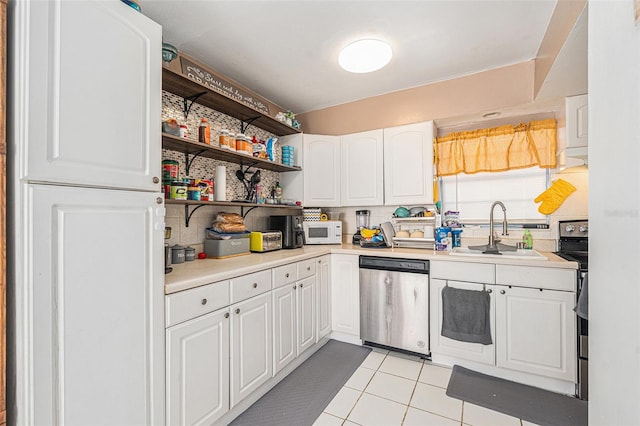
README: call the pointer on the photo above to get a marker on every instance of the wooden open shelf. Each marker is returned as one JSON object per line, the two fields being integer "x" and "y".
{"x": 230, "y": 203}
{"x": 200, "y": 149}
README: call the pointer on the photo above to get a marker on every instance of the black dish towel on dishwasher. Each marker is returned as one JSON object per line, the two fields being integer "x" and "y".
{"x": 466, "y": 315}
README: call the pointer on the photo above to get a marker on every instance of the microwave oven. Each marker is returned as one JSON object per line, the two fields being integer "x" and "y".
{"x": 323, "y": 232}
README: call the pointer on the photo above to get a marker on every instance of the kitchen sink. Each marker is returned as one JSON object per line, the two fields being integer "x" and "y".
{"x": 518, "y": 254}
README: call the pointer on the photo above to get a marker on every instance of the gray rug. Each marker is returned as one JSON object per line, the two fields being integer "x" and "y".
{"x": 302, "y": 396}
{"x": 529, "y": 403}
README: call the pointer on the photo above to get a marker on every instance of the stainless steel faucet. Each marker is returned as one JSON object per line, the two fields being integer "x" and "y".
{"x": 492, "y": 238}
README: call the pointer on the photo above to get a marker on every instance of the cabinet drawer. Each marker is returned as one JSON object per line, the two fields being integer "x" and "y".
{"x": 284, "y": 275}
{"x": 458, "y": 271}
{"x": 198, "y": 301}
{"x": 306, "y": 268}
{"x": 250, "y": 285}
{"x": 537, "y": 277}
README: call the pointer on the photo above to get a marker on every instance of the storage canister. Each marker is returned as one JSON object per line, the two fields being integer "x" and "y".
{"x": 169, "y": 169}
{"x": 189, "y": 254}
{"x": 193, "y": 193}
{"x": 178, "y": 190}
{"x": 177, "y": 254}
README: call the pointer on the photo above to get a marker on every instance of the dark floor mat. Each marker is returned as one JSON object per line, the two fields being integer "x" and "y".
{"x": 529, "y": 403}
{"x": 302, "y": 396}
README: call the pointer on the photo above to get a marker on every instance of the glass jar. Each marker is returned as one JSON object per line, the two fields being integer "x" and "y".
{"x": 231, "y": 141}
{"x": 224, "y": 139}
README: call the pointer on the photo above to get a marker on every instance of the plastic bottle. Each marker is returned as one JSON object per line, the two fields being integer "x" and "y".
{"x": 204, "y": 131}
{"x": 527, "y": 239}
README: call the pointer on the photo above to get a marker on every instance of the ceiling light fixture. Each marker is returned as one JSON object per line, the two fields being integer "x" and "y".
{"x": 364, "y": 56}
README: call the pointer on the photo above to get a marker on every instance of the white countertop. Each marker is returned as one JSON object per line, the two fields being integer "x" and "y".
{"x": 205, "y": 271}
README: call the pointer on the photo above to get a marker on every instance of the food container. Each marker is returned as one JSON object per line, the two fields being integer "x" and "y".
{"x": 178, "y": 190}
{"x": 177, "y": 254}
{"x": 443, "y": 238}
{"x": 189, "y": 254}
{"x": 170, "y": 170}
{"x": 193, "y": 193}
{"x": 456, "y": 238}
{"x": 220, "y": 249}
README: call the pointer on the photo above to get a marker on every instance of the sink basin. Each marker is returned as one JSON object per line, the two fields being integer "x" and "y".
{"x": 518, "y": 254}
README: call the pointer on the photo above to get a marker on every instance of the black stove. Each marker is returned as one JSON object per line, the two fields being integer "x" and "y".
{"x": 573, "y": 244}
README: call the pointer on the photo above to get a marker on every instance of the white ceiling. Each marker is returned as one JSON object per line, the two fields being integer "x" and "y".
{"x": 287, "y": 51}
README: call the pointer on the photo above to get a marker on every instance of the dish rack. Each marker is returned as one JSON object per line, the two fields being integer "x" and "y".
{"x": 425, "y": 224}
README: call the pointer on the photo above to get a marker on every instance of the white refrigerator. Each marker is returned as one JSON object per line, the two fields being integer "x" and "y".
{"x": 86, "y": 275}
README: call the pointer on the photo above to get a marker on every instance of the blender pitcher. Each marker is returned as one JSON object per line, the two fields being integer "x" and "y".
{"x": 362, "y": 221}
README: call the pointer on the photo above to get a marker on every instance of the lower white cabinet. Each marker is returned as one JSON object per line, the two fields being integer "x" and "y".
{"x": 536, "y": 331}
{"x": 198, "y": 369}
{"x": 284, "y": 326}
{"x": 306, "y": 302}
{"x": 323, "y": 285}
{"x": 251, "y": 346}
{"x": 345, "y": 294}
{"x": 477, "y": 352}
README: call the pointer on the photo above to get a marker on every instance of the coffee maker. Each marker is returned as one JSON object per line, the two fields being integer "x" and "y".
{"x": 291, "y": 228}
{"x": 362, "y": 221}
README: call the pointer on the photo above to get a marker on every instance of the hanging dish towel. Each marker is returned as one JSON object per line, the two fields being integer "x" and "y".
{"x": 582, "y": 307}
{"x": 466, "y": 315}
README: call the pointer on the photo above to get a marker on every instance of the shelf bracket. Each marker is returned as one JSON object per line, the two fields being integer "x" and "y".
{"x": 187, "y": 103}
{"x": 243, "y": 213}
{"x": 187, "y": 214}
{"x": 188, "y": 162}
{"x": 244, "y": 125}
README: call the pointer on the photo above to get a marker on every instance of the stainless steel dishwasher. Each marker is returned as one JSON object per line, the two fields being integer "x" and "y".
{"x": 394, "y": 303}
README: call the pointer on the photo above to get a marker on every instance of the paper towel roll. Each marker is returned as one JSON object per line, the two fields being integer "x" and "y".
{"x": 221, "y": 183}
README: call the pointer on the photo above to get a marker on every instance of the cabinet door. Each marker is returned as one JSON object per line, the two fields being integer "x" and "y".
{"x": 284, "y": 326}
{"x": 95, "y": 307}
{"x": 345, "y": 294}
{"x": 92, "y": 96}
{"x": 408, "y": 164}
{"x": 362, "y": 170}
{"x": 198, "y": 370}
{"x": 251, "y": 346}
{"x": 321, "y": 165}
{"x": 441, "y": 345}
{"x": 323, "y": 284}
{"x": 306, "y": 313}
{"x": 536, "y": 331}
{"x": 577, "y": 110}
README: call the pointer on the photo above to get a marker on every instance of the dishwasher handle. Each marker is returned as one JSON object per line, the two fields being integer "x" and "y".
{"x": 416, "y": 266}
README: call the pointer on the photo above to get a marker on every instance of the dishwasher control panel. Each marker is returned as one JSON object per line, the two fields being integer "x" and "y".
{"x": 416, "y": 266}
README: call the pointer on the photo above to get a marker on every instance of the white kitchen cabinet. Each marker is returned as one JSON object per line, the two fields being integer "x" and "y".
{"x": 362, "y": 169}
{"x": 408, "y": 164}
{"x": 321, "y": 165}
{"x": 251, "y": 346}
{"x": 345, "y": 294}
{"x": 306, "y": 302}
{"x": 96, "y": 328}
{"x": 441, "y": 345}
{"x": 577, "y": 113}
{"x": 198, "y": 369}
{"x": 93, "y": 94}
{"x": 536, "y": 331}
{"x": 323, "y": 284}
{"x": 284, "y": 326}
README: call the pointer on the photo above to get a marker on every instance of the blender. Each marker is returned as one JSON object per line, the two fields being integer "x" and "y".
{"x": 362, "y": 221}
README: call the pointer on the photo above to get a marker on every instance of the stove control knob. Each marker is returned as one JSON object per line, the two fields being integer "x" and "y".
{"x": 570, "y": 228}
{"x": 584, "y": 228}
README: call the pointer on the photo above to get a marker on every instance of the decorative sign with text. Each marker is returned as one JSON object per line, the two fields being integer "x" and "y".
{"x": 217, "y": 84}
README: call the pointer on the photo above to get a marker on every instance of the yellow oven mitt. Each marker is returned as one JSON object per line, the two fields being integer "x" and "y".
{"x": 554, "y": 196}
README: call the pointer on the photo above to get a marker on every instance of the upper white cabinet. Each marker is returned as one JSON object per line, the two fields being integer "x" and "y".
{"x": 577, "y": 110}
{"x": 321, "y": 168}
{"x": 408, "y": 164}
{"x": 90, "y": 121}
{"x": 362, "y": 170}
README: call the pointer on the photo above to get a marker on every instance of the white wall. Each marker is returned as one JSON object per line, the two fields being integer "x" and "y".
{"x": 614, "y": 215}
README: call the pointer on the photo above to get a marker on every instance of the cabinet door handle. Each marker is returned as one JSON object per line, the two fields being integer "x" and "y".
{"x": 300, "y": 285}
{"x": 255, "y": 285}
{"x": 502, "y": 292}
{"x": 203, "y": 301}
{"x": 489, "y": 291}
{"x": 226, "y": 315}
{"x": 308, "y": 268}
{"x": 156, "y": 179}
{"x": 286, "y": 275}
{"x": 295, "y": 287}
{"x": 237, "y": 310}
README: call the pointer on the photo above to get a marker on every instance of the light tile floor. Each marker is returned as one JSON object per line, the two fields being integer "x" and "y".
{"x": 391, "y": 388}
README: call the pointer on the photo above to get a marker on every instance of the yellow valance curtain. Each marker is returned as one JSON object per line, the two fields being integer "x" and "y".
{"x": 498, "y": 149}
